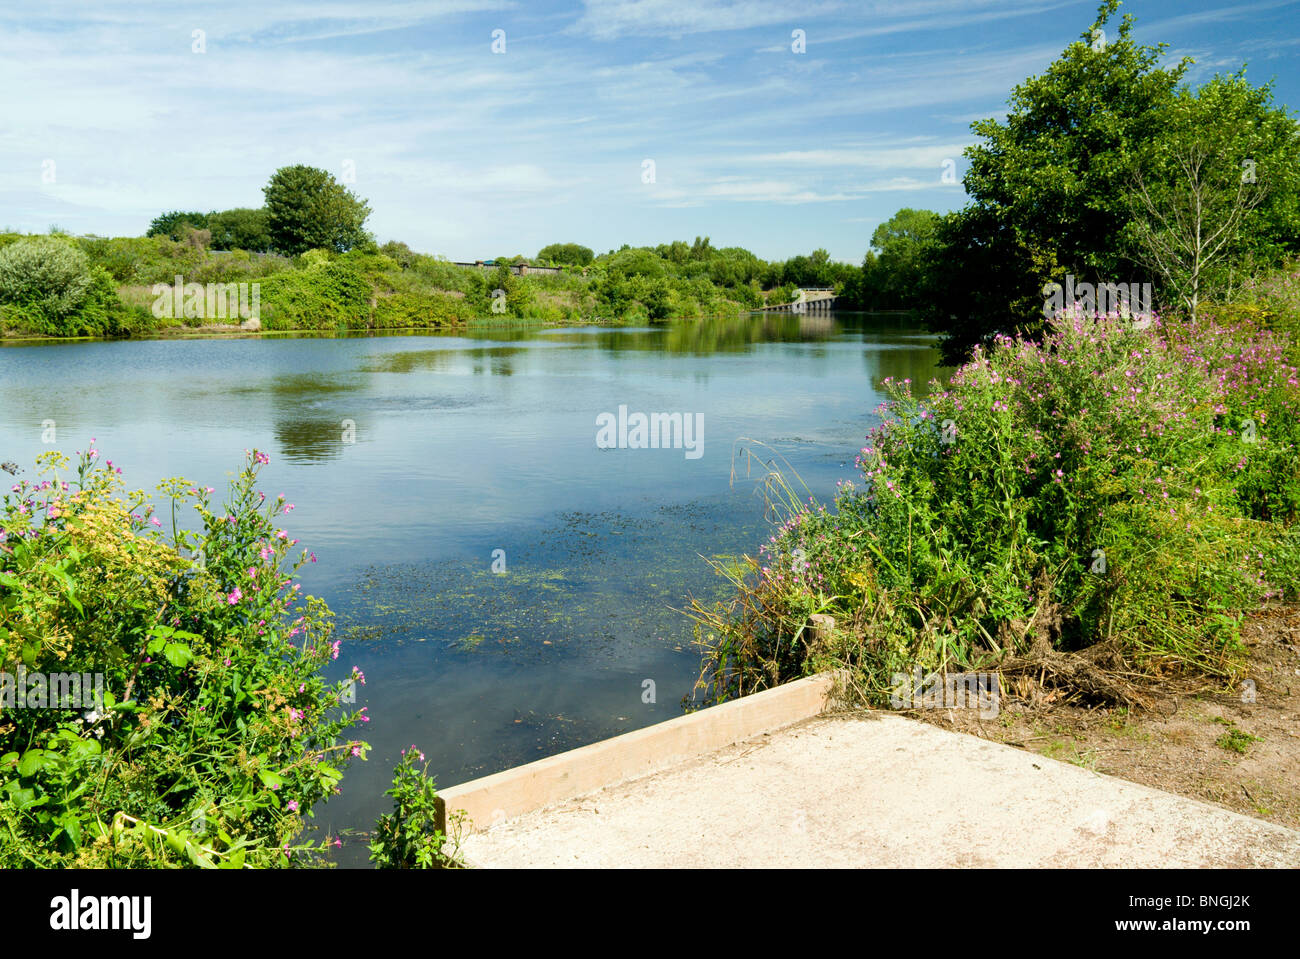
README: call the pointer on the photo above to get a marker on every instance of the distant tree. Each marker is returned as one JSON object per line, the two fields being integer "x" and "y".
{"x": 240, "y": 229}
{"x": 566, "y": 254}
{"x": 173, "y": 224}
{"x": 307, "y": 209}
{"x": 195, "y": 238}
{"x": 675, "y": 252}
{"x": 897, "y": 270}
{"x": 399, "y": 251}
{"x": 636, "y": 262}
{"x": 809, "y": 271}
{"x": 701, "y": 249}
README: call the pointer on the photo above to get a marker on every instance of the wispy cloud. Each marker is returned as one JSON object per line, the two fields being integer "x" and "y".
{"x": 463, "y": 151}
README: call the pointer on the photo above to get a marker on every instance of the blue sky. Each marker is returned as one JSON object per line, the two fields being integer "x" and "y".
{"x": 468, "y": 153}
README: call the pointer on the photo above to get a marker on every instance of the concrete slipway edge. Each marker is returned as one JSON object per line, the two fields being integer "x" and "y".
{"x": 765, "y": 781}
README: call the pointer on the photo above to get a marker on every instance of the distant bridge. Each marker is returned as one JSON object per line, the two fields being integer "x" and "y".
{"x": 809, "y": 300}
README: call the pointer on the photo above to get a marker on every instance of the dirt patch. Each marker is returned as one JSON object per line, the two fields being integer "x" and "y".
{"x": 1237, "y": 748}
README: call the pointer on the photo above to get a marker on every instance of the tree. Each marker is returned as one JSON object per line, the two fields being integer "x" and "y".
{"x": 173, "y": 224}
{"x": 1182, "y": 232}
{"x": 567, "y": 254}
{"x": 306, "y": 209}
{"x": 240, "y": 229}
{"x": 1048, "y": 185}
{"x": 1219, "y": 196}
{"x": 901, "y": 242}
{"x": 701, "y": 249}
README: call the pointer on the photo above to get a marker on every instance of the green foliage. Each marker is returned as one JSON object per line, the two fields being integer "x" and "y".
{"x": 893, "y": 278}
{"x": 216, "y": 733}
{"x": 1217, "y": 197}
{"x": 320, "y": 296}
{"x": 409, "y": 837}
{"x": 1237, "y": 741}
{"x": 1103, "y": 487}
{"x": 565, "y": 254}
{"x": 49, "y": 287}
{"x": 394, "y": 287}
{"x": 173, "y": 224}
{"x": 46, "y": 274}
{"x": 1053, "y": 188}
{"x": 240, "y": 229}
{"x": 307, "y": 209}
{"x": 145, "y": 261}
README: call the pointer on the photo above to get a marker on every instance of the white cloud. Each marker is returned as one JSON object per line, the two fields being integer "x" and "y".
{"x": 610, "y": 19}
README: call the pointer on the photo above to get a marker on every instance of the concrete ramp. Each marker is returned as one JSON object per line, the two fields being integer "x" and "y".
{"x": 873, "y": 789}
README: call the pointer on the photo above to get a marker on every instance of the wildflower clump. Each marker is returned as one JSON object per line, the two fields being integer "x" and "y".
{"x": 1123, "y": 487}
{"x": 213, "y": 732}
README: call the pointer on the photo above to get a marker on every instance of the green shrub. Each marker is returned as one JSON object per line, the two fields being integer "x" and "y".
{"x": 1098, "y": 487}
{"x": 409, "y": 837}
{"x": 44, "y": 274}
{"x": 215, "y": 734}
{"x": 326, "y": 295}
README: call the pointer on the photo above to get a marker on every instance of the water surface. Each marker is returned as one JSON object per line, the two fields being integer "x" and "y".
{"x": 463, "y": 445}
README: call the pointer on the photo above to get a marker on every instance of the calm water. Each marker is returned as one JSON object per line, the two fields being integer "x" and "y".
{"x": 469, "y": 444}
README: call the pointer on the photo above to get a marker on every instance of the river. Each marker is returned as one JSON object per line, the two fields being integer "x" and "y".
{"x": 413, "y": 460}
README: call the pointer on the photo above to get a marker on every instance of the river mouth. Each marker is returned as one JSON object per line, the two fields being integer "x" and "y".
{"x": 417, "y": 464}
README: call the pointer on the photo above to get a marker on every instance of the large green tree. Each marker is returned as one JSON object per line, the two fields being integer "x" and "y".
{"x": 1049, "y": 184}
{"x": 894, "y": 270}
{"x": 240, "y": 229}
{"x": 1217, "y": 197}
{"x": 307, "y": 209}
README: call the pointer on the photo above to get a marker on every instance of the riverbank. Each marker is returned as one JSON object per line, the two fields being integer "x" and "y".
{"x": 65, "y": 286}
{"x": 1099, "y": 509}
{"x": 1237, "y": 748}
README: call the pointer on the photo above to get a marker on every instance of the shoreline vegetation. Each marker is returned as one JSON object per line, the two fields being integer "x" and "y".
{"x": 1103, "y": 491}
{"x": 58, "y": 286}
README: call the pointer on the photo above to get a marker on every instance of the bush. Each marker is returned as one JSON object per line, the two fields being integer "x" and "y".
{"x": 321, "y": 296}
{"x": 409, "y": 837}
{"x": 1102, "y": 487}
{"x": 45, "y": 275}
{"x": 216, "y": 733}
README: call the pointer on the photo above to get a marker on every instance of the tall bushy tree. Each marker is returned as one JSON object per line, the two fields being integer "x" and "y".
{"x": 1048, "y": 185}
{"x": 896, "y": 270}
{"x": 173, "y": 223}
{"x": 307, "y": 209}
{"x": 240, "y": 229}
{"x": 1217, "y": 198}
